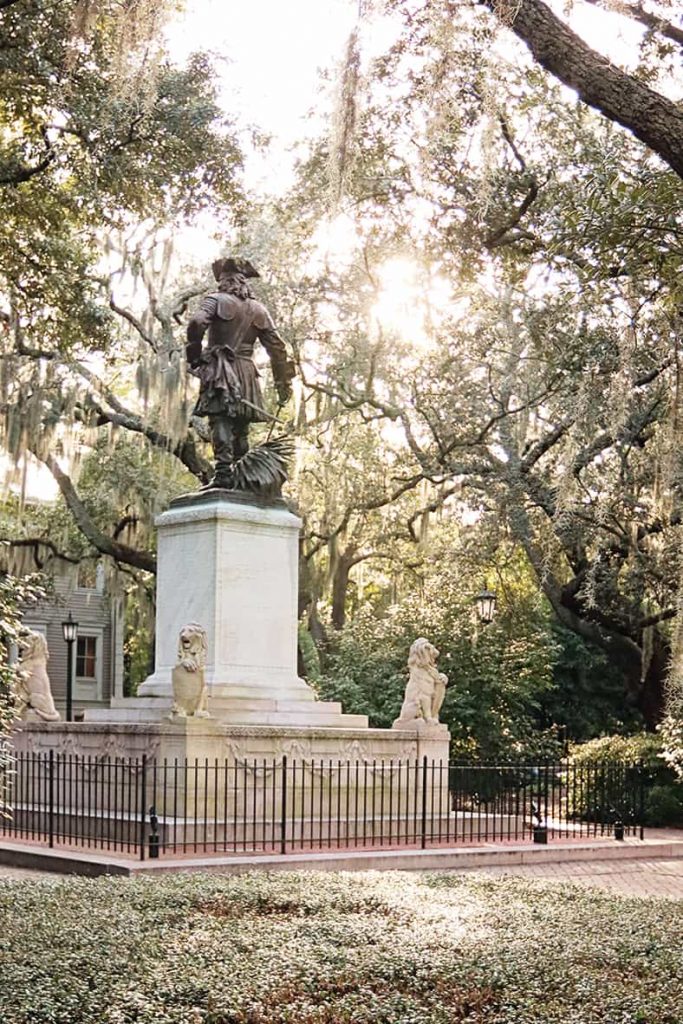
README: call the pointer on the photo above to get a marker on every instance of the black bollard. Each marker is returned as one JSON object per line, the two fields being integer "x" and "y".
{"x": 541, "y": 835}
{"x": 154, "y": 834}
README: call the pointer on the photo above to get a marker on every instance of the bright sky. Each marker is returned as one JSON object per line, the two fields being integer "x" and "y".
{"x": 269, "y": 55}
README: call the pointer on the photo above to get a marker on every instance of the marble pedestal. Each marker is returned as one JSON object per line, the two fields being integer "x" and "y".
{"x": 230, "y": 565}
{"x": 205, "y": 738}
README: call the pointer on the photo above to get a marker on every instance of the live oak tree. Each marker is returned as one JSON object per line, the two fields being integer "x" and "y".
{"x": 101, "y": 138}
{"x": 623, "y": 97}
{"x": 636, "y": 100}
{"x": 552, "y": 397}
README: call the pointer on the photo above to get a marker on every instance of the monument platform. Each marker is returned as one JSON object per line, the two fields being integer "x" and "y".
{"x": 204, "y": 738}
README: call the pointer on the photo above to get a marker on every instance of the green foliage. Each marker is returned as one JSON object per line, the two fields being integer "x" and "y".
{"x": 641, "y": 747}
{"x": 15, "y": 595}
{"x": 663, "y": 797}
{"x": 664, "y": 805}
{"x": 121, "y": 478}
{"x": 320, "y": 948}
{"x": 588, "y": 698}
{"x": 89, "y": 137}
{"x": 671, "y": 732}
{"x": 309, "y": 655}
{"x": 498, "y": 674}
{"x": 138, "y": 641}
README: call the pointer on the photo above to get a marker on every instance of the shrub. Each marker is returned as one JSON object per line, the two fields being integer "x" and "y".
{"x": 663, "y": 797}
{"x": 497, "y": 674}
{"x": 671, "y": 732}
{"x": 664, "y": 805}
{"x": 15, "y": 593}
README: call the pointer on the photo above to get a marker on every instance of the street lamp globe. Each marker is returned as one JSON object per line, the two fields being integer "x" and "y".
{"x": 70, "y": 629}
{"x": 486, "y": 605}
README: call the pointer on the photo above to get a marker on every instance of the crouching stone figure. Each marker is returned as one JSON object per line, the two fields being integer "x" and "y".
{"x": 425, "y": 689}
{"x": 190, "y": 694}
{"x": 32, "y": 687}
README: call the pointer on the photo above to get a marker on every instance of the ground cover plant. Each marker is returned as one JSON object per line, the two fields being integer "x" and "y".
{"x": 393, "y": 948}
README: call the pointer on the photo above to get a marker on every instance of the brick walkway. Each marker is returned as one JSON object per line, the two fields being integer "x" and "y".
{"x": 625, "y": 877}
{"x": 6, "y": 871}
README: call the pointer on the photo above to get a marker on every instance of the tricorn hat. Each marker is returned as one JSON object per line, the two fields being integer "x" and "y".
{"x": 233, "y": 266}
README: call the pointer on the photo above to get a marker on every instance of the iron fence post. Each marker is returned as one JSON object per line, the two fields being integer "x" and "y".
{"x": 283, "y": 817}
{"x": 143, "y": 816}
{"x": 424, "y": 803}
{"x": 51, "y": 799}
{"x": 641, "y": 798}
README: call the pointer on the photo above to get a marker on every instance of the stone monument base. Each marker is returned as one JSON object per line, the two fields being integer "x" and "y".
{"x": 205, "y": 738}
{"x": 212, "y": 785}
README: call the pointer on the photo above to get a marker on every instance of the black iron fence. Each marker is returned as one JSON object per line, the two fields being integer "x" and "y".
{"x": 144, "y": 808}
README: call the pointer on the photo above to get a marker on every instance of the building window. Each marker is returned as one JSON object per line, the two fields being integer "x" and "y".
{"x": 90, "y": 576}
{"x": 89, "y": 657}
{"x": 86, "y": 657}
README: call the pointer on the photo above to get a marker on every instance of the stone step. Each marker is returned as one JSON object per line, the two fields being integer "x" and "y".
{"x": 302, "y": 713}
{"x": 236, "y": 691}
{"x": 140, "y": 702}
{"x": 225, "y": 705}
{"x": 229, "y": 691}
{"x": 308, "y": 718}
{"x": 219, "y": 706}
{"x": 284, "y": 718}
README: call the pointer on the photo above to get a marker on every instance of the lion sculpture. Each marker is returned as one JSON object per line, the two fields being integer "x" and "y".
{"x": 32, "y": 687}
{"x": 426, "y": 686}
{"x": 190, "y": 694}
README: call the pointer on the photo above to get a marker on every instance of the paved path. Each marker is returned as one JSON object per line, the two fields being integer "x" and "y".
{"x": 641, "y": 877}
{"x": 625, "y": 877}
{"x": 6, "y": 871}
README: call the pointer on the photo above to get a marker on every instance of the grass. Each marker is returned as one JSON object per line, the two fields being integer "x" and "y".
{"x": 335, "y": 949}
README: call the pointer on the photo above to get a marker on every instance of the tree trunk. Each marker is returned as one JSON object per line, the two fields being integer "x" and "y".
{"x": 651, "y": 701}
{"x": 623, "y": 98}
{"x": 102, "y": 542}
{"x": 645, "y": 690}
{"x": 340, "y": 587}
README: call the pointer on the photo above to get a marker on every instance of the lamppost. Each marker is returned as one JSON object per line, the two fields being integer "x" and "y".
{"x": 70, "y": 631}
{"x": 486, "y": 605}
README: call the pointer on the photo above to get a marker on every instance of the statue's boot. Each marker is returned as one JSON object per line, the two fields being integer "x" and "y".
{"x": 227, "y": 444}
{"x": 222, "y": 478}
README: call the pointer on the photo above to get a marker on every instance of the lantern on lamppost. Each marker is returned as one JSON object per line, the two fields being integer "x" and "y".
{"x": 486, "y": 605}
{"x": 70, "y": 633}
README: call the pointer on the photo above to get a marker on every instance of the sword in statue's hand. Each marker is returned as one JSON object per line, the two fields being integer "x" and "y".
{"x": 275, "y": 419}
{"x": 284, "y": 395}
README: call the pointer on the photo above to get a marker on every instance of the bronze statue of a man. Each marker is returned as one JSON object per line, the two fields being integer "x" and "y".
{"x": 229, "y": 394}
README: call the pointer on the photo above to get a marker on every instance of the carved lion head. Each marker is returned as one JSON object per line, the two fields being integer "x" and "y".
{"x": 422, "y": 654}
{"x": 192, "y": 643}
{"x": 33, "y": 646}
